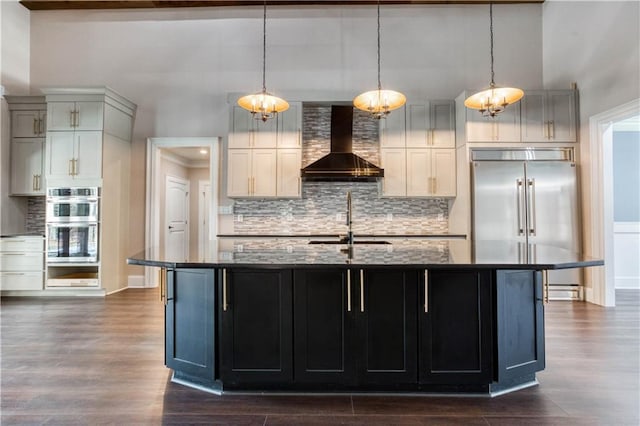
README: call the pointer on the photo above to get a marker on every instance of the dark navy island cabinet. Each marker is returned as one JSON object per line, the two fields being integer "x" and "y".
{"x": 380, "y": 329}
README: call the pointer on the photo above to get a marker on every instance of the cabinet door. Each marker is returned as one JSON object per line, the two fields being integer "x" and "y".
{"x": 417, "y": 126}
{"x": 241, "y": 128}
{"x": 265, "y": 134}
{"x": 88, "y": 155}
{"x": 387, "y": 328}
{"x": 418, "y": 172}
{"x": 442, "y": 124}
{"x": 533, "y": 121}
{"x": 505, "y": 127}
{"x": 289, "y": 128}
{"x": 27, "y": 124}
{"x": 60, "y": 154}
{"x": 238, "y": 172}
{"x": 394, "y": 163}
{"x": 27, "y": 166}
{"x": 89, "y": 115}
{"x": 256, "y": 332}
{"x": 324, "y": 308}
{"x": 519, "y": 323}
{"x": 60, "y": 115}
{"x": 455, "y": 327}
{"x": 392, "y": 130}
{"x": 190, "y": 323}
{"x": 288, "y": 179}
{"x": 264, "y": 172}
{"x": 561, "y": 107}
{"x": 443, "y": 172}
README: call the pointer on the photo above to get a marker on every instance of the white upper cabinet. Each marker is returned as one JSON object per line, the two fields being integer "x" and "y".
{"x": 505, "y": 127}
{"x": 418, "y": 172}
{"x": 74, "y": 155}
{"x": 394, "y": 163}
{"x": 430, "y": 125}
{"x": 28, "y": 130}
{"x": 27, "y": 164}
{"x": 80, "y": 115}
{"x": 549, "y": 115}
{"x": 28, "y": 124}
{"x": 443, "y": 172}
{"x": 288, "y": 169}
{"x": 290, "y": 127}
{"x": 393, "y": 129}
{"x": 264, "y": 158}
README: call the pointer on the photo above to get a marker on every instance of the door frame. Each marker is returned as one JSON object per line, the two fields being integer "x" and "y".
{"x": 203, "y": 250}
{"x": 600, "y": 227}
{"x": 153, "y": 187}
{"x": 187, "y": 231}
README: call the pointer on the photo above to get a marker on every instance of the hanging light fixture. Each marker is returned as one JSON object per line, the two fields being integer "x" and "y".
{"x": 263, "y": 105}
{"x": 379, "y": 102}
{"x": 493, "y": 100}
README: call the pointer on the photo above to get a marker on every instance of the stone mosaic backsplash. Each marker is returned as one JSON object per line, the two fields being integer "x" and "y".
{"x": 36, "y": 212}
{"x": 321, "y": 203}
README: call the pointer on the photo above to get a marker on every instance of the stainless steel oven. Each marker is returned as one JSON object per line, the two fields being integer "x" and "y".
{"x": 72, "y": 205}
{"x": 73, "y": 224}
{"x": 72, "y": 242}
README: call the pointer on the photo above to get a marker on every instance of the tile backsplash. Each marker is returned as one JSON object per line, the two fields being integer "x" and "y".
{"x": 36, "y": 215}
{"x": 322, "y": 208}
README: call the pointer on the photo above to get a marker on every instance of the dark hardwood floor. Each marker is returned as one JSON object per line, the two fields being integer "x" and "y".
{"x": 100, "y": 361}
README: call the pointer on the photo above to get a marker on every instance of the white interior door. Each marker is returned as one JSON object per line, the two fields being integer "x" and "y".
{"x": 176, "y": 237}
{"x": 204, "y": 201}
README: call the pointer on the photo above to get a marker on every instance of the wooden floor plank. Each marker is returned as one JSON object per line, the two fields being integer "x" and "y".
{"x": 100, "y": 361}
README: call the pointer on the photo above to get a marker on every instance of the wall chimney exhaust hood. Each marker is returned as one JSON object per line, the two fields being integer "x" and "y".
{"x": 341, "y": 164}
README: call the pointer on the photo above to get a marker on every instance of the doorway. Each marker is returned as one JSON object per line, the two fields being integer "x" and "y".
{"x": 172, "y": 156}
{"x": 601, "y": 208}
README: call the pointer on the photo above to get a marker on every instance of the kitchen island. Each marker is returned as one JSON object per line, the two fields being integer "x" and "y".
{"x": 410, "y": 316}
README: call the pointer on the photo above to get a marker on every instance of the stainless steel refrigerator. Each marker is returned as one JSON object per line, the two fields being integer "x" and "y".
{"x": 529, "y": 196}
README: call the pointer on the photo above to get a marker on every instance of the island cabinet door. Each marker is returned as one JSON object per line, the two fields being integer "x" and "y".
{"x": 519, "y": 323}
{"x": 387, "y": 327}
{"x": 190, "y": 323}
{"x": 256, "y": 329}
{"x": 455, "y": 327}
{"x": 324, "y": 308}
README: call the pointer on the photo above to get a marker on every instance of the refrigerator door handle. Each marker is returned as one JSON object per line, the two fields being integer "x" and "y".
{"x": 519, "y": 201}
{"x": 531, "y": 207}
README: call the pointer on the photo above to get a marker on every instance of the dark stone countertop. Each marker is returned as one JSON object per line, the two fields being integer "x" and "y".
{"x": 432, "y": 254}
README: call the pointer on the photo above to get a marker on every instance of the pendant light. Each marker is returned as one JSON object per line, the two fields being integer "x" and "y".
{"x": 379, "y": 102}
{"x": 263, "y": 105}
{"x": 493, "y": 100}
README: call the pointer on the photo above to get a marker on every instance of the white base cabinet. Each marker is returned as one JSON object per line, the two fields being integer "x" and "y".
{"x": 28, "y": 129}
{"x": 22, "y": 263}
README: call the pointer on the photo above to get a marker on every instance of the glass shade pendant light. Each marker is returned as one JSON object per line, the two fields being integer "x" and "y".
{"x": 379, "y": 102}
{"x": 493, "y": 100}
{"x": 263, "y": 105}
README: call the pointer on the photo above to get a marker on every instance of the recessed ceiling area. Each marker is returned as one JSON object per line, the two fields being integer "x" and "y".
{"x": 154, "y": 4}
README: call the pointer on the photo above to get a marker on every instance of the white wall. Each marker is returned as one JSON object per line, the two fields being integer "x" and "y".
{"x": 595, "y": 44}
{"x": 14, "y": 78}
{"x": 179, "y": 66}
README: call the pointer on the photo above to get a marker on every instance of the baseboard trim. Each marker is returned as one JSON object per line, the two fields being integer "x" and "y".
{"x": 135, "y": 281}
{"x": 117, "y": 291}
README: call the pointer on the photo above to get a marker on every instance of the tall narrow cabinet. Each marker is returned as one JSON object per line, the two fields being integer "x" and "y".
{"x": 88, "y": 144}
{"x": 28, "y": 128}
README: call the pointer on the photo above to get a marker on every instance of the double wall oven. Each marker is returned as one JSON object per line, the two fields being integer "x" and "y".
{"x": 72, "y": 225}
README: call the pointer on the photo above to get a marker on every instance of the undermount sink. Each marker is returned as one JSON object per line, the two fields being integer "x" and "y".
{"x": 343, "y": 242}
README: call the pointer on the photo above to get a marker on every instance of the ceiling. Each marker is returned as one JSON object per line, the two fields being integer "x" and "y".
{"x": 153, "y": 4}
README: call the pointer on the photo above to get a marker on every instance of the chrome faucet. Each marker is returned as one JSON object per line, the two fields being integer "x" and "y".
{"x": 349, "y": 238}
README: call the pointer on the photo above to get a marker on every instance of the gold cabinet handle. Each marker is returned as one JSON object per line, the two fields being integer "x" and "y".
{"x": 71, "y": 167}
{"x": 552, "y": 133}
{"x": 162, "y": 285}
{"x": 34, "y": 184}
{"x": 35, "y": 126}
{"x": 225, "y": 305}
{"x": 40, "y": 126}
{"x": 545, "y": 285}
{"x": 426, "y": 291}
{"x": 348, "y": 290}
{"x": 299, "y": 137}
{"x": 361, "y": 290}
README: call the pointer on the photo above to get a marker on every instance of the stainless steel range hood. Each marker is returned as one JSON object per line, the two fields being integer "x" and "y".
{"x": 341, "y": 164}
